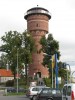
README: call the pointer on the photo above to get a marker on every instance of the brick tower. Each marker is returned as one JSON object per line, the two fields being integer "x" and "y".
{"x": 37, "y": 23}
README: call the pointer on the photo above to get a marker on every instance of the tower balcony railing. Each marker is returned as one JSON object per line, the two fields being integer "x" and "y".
{"x": 38, "y": 11}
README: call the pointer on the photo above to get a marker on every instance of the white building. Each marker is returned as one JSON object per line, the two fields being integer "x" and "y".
{"x": 5, "y": 75}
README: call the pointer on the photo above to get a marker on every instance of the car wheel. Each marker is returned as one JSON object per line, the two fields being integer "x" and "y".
{"x": 34, "y": 97}
{"x": 31, "y": 98}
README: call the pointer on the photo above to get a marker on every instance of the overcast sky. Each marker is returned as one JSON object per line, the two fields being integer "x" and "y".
{"x": 61, "y": 25}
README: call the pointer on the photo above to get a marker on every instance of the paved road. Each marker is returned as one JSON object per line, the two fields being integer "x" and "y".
{"x": 13, "y": 98}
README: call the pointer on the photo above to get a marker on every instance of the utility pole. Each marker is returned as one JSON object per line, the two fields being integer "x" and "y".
{"x": 56, "y": 70}
{"x": 17, "y": 71}
{"x": 70, "y": 72}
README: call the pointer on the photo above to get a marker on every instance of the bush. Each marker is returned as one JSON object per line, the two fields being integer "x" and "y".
{"x": 47, "y": 82}
{"x": 10, "y": 83}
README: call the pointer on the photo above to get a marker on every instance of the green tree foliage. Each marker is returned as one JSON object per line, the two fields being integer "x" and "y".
{"x": 15, "y": 42}
{"x": 49, "y": 46}
{"x": 62, "y": 69}
{"x": 27, "y": 49}
{"x": 11, "y": 42}
{"x": 3, "y": 61}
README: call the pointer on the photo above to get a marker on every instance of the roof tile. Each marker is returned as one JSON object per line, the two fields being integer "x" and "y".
{"x": 6, "y": 73}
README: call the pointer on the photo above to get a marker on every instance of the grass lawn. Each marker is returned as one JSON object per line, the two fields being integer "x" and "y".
{"x": 10, "y": 94}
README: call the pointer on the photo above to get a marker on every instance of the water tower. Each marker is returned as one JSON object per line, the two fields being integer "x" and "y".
{"x": 37, "y": 23}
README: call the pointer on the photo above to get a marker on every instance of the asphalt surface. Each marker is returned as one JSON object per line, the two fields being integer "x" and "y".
{"x": 13, "y": 98}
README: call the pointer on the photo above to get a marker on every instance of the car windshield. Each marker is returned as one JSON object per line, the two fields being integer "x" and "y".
{"x": 36, "y": 89}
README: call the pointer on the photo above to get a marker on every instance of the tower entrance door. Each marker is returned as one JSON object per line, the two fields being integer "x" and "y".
{"x": 38, "y": 75}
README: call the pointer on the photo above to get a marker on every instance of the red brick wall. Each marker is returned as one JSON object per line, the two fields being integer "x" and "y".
{"x": 38, "y": 26}
{"x": 37, "y": 22}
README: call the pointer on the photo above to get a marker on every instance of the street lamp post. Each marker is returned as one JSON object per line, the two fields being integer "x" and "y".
{"x": 70, "y": 72}
{"x": 56, "y": 70}
{"x": 24, "y": 46}
{"x": 73, "y": 72}
{"x": 67, "y": 72}
{"x": 52, "y": 77}
{"x": 17, "y": 70}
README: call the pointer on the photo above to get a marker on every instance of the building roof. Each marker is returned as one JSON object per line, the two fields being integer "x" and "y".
{"x": 6, "y": 73}
{"x": 37, "y": 10}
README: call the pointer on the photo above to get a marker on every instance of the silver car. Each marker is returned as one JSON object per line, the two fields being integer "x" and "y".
{"x": 33, "y": 91}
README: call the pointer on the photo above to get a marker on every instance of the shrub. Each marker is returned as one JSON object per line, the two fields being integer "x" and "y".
{"x": 47, "y": 81}
{"x": 10, "y": 83}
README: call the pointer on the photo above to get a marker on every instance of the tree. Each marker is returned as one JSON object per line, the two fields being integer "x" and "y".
{"x": 28, "y": 47}
{"x": 49, "y": 46}
{"x": 3, "y": 61}
{"x": 62, "y": 70}
{"x": 12, "y": 44}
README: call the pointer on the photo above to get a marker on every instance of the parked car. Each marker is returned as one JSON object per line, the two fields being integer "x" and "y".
{"x": 33, "y": 91}
{"x": 20, "y": 89}
{"x": 11, "y": 89}
{"x": 68, "y": 92}
{"x": 49, "y": 94}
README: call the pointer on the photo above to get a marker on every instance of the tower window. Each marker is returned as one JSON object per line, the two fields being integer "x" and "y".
{"x": 37, "y": 32}
{"x": 37, "y": 25}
